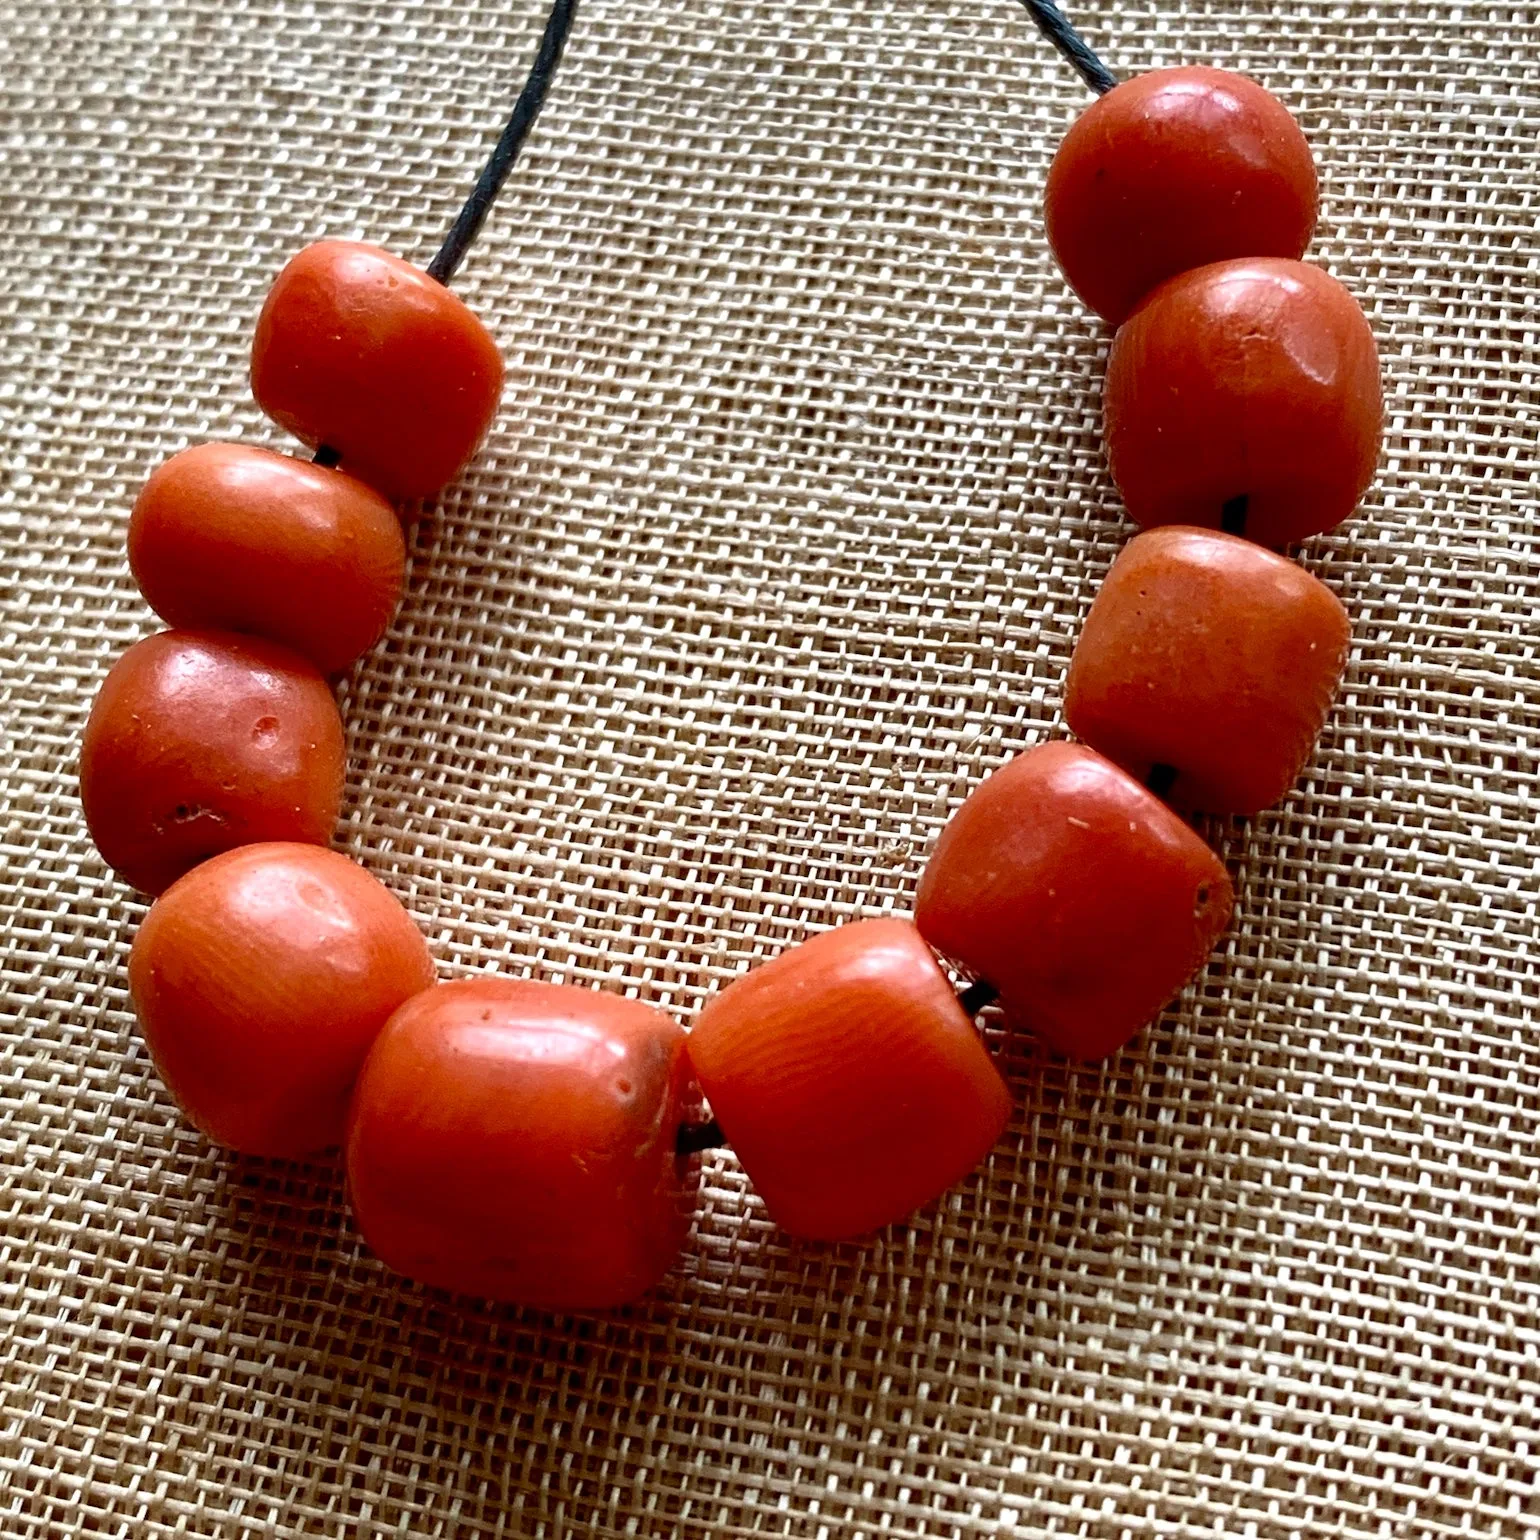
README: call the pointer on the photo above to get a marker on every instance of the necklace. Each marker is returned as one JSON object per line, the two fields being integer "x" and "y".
{"x": 539, "y": 1142}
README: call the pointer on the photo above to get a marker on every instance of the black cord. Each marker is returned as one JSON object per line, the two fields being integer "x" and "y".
{"x": 977, "y": 995}
{"x": 531, "y": 99}
{"x": 695, "y": 1137}
{"x": 1055, "y": 26}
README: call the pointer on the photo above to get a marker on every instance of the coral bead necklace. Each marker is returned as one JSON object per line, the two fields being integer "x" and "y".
{"x": 538, "y": 1142}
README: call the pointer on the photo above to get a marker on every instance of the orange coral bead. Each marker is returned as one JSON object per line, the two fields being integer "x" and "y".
{"x": 1206, "y": 653}
{"x": 1246, "y": 389}
{"x": 362, "y": 352}
{"x": 260, "y": 979}
{"x": 518, "y": 1141}
{"x": 241, "y": 539}
{"x": 853, "y": 1085}
{"x": 1081, "y": 897}
{"x": 1173, "y": 170}
{"x": 200, "y": 741}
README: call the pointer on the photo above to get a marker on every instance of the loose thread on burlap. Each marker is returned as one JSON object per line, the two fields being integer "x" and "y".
{"x": 1056, "y": 27}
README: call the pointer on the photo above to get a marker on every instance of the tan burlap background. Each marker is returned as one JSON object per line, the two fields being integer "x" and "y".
{"x": 782, "y": 540}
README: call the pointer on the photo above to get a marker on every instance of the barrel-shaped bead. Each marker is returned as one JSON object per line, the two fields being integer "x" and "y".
{"x": 1078, "y": 894}
{"x": 517, "y": 1140}
{"x": 200, "y": 741}
{"x": 1214, "y": 657}
{"x": 851, "y": 1083}
{"x": 1245, "y": 396}
{"x": 241, "y": 539}
{"x": 1173, "y": 170}
{"x": 366, "y": 354}
{"x": 260, "y": 980}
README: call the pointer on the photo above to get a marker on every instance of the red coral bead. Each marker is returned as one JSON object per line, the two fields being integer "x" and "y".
{"x": 1173, "y": 170}
{"x": 241, "y": 539}
{"x": 260, "y": 980}
{"x": 1208, "y": 654}
{"x": 1251, "y": 386}
{"x": 200, "y": 741}
{"x": 1081, "y": 897}
{"x": 518, "y": 1141}
{"x": 852, "y": 1084}
{"x": 362, "y": 352}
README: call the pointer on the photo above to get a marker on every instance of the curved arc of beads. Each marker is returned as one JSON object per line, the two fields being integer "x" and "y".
{"x": 536, "y": 1142}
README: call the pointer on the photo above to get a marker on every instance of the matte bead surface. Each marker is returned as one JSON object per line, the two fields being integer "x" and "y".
{"x": 1254, "y": 380}
{"x": 362, "y": 352}
{"x": 517, "y": 1140}
{"x": 241, "y": 539}
{"x": 852, "y": 1084}
{"x": 200, "y": 741}
{"x": 1208, "y": 654}
{"x": 1173, "y": 170}
{"x": 1079, "y": 895}
{"x": 260, "y": 979}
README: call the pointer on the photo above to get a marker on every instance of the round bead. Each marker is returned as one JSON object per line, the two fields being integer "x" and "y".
{"x": 1173, "y": 170}
{"x": 851, "y": 1083}
{"x": 1209, "y": 655}
{"x": 240, "y": 539}
{"x": 261, "y": 978}
{"x": 1078, "y": 894}
{"x": 362, "y": 352}
{"x": 518, "y": 1141}
{"x": 1246, "y": 391}
{"x": 200, "y": 741}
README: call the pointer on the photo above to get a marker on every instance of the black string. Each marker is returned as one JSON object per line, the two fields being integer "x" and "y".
{"x": 695, "y": 1137}
{"x": 977, "y": 995}
{"x": 1232, "y": 516}
{"x": 1055, "y": 26}
{"x": 531, "y": 99}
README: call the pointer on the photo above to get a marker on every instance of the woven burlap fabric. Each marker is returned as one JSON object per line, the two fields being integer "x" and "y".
{"x": 781, "y": 541}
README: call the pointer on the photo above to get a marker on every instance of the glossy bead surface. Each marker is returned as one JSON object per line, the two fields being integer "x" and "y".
{"x": 517, "y": 1140}
{"x": 200, "y": 741}
{"x": 362, "y": 352}
{"x": 1074, "y": 891}
{"x": 851, "y": 1083}
{"x": 241, "y": 539}
{"x": 1208, "y": 654}
{"x": 1173, "y": 170}
{"x": 260, "y": 979}
{"x": 1255, "y": 380}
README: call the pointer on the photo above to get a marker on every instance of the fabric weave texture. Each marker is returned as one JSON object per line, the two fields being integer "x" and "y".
{"x": 782, "y": 540}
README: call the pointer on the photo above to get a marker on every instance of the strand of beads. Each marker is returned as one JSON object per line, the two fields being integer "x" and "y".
{"x": 537, "y": 1142}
